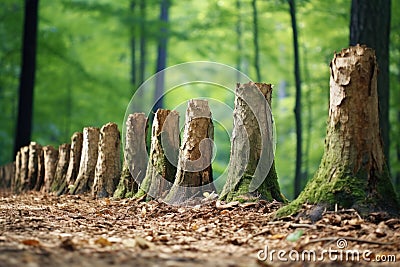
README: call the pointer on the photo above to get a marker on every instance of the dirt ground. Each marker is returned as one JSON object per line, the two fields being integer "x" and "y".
{"x": 44, "y": 230}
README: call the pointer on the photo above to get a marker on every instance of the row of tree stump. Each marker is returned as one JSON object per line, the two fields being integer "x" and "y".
{"x": 173, "y": 170}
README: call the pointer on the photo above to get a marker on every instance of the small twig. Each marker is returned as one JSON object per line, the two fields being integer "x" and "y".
{"x": 349, "y": 239}
{"x": 303, "y": 225}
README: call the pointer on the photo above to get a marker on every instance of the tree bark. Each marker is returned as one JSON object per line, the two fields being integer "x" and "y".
{"x": 50, "y": 155}
{"x": 73, "y": 165}
{"x": 41, "y": 170}
{"x": 194, "y": 172}
{"x": 370, "y": 25}
{"x": 6, "y": 175}
{"x": 27, "y": 78}
{"x": 255, "y": 40}
{"x": 135, "y": 156}
{"x": 85, "y": 178}
{"x": 108, "y": 167}
{"x": 24, "y": 169}
{"x": 251, "y": 170}
{"x": 297, "y": 108}
{"x": 16, "y": 183}
{"x": 164, "y": 150}
{"x": 353, "y": 171}
{"x": 62, "y": 167}
{"x": 35, "y": 151}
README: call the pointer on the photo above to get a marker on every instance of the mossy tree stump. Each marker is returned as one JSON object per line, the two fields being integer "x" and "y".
{"x": 135, "y": 156}
{"x": 251, "y": 170}
{"x": 163, "y": 159}
{"x": 108, "y": 167}
{"x": 194, "y": 171}
{"x": 62, "y": 167}
{"x": 85, "y": 178}
{"x": 50, "y": 155}
{"x": 353, "y": 172}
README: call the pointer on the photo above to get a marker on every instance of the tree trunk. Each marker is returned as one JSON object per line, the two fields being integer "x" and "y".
{"x": 164, "y": 150}
{"x": 85, "y": 178}
{"x": 35, "y": 151}
{"x": 297, "y": 108}
{"x": 143, "y": 23}
{"x": 24, "y": 169}
{"x": 27, "y": 78}
{"x": 370, "y": 25}
{"x": 73, "y": 165}
{"x": 353, "y": 172}
{"x": 194, "y": 172}
{"x": 251, "y": 171}
{"x": 108, "y": 168}
{"x": 62, "y": 167}
{"x": 255, "y": 41}
{"x": 41, "y": 170}
{"x": 135, "y": 156}
{"x": 50, "y": 155}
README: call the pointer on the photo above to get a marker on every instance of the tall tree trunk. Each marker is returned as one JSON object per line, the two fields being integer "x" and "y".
{"x": 194, "y": 171}
{"x": 370, "y": 25}
{"x": 353, "y": 171}
{"x": 297, "y": 108}
{"x": 251, "y": 170}
{"x": 108, "y": 167}
{"x": 239, "y": 46}
{"x": 27, "y": 78}
{"x": 255, "y": 40}
{"x": 135, "y": 156}
{"x": 133, "y": 45}
{"x": 164, "y": 150}
{"x": 161, "y": 56}
{"x": 142, "y": 63}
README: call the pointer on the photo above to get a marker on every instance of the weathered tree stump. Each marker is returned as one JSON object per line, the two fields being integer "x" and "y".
{"x": 35, "y": 150}
{"x": 251, "y": 171}
{"x": 108, "y": 167}
{"x": 164, "y": 150}
{"x": 353, "y": 172}
{"x": 135, "y": 156}
{"x": 73, "y": 165}
{"x": 62, "y": 167}
{"x": 87, "y": 166}
{"x": 41, "y": 171}
{"x": 6, "y": 175}
{"x": 23, "y": 185}
{"x": 194, "y": 171}
{"x": 16, "y": 182}
{"x": 50, "y": 155}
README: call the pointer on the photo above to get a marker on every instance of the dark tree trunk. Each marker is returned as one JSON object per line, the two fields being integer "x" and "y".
{"x": 135, "y": 156}
{"x": 164, "y": 150}
{"x": 255, "y": 40}
{"x": 194, "y": 171}
{"x": 370, "y": 25}
{"x": 108, "y": 167}
{"x": 251, "y": 170}
{"x": 50, "y": 155}
{"x": 161, "y": 56}
{"x": 87, "y": 166}
{"x": 62, "y": 167}
{"x": 27, "y": 78}
{"x": 297, "y": 108}
{"x": 353, "y": 171}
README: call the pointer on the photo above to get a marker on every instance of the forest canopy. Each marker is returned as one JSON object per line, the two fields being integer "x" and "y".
{"x": 93, "y": 55}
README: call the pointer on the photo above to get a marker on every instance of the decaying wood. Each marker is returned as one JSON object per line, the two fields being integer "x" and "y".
{"x": 7, "y": 173}
{"x": 41, "y": 171}
{"x": 251, "y": 171}
{"x": 62, "y": 167}
{"x": 353, "y": 172}
{"x": 108, "y": 167}
{"x": 35, "y": 150}
{"x": 16, "y": 182}
{"x": 194, "y": 172}
{"x": 23, "y": 186}
{"x": 85, "y": 178}
{"x": 163, "y": 159}
{"x": 135, "y": 156}
{"x": 50, "y": 155}
{"x": 74, "y": 161}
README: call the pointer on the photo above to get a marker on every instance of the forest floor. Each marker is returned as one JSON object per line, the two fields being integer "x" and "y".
{"x": 44, "y": 230}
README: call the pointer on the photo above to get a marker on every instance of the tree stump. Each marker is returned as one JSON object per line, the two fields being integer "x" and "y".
{"x": 73, "y": 165}
{"x": 35, "y": 151}
{"x": 194, "y": 171}
{"x": 41, "y": 171}
{"x": 135, "y": 156}
{"x": 164, "y": 150}
{"x": 16, "y": 182}
{"x": 251, "y": 171}
{"x": 353, "y": 172}
{"x": 62, "y": 167}
{"x": 50, "y": 155}
{"x": 108, "y": 168}
{"x": 85, "y": 178}
{"x": 23, "y": 186}
{"x": 6, "y": 175}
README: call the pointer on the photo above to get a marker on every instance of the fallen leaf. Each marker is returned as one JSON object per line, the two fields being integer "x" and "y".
{"x": 31, "y": 242}
{"x": 102, "y": 242}
{"x": 293, "y": 237}
{"x": 277, "y": 236}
